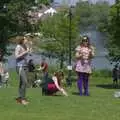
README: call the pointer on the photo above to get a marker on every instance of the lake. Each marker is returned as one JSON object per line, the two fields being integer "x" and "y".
{"x": 99, "y": 62}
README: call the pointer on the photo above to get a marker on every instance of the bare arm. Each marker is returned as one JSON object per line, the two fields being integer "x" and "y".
{"x": 78, "y": 54}
{"x": 92, "y": 53}
{"x": 43, "y": 67}
{"x": 58, "y": 87}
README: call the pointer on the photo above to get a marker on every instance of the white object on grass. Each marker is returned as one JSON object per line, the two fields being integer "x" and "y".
{"x": 117, "y": 94}
{"x": 39, "y": 68}
{"x": 69, "y": 67}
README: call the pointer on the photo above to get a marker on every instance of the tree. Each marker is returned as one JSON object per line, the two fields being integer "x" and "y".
{"x": 84, "y": 14}
{"x": 100, "y": 13}
{"x": 3, "y": 26}
{"x": 93, "y": 14}
{"x": 18, "y": 15}
{"x": 13, "y": 19}
{"x": 114, "y": 33}
{"x": 56, "y": 34}
{"x": 45, "y": 2}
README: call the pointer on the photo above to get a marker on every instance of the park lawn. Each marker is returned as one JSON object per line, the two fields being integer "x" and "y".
{"x": 100, "y": 105}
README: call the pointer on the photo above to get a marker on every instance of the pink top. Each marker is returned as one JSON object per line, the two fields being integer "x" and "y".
{"x": 84, "y": 56}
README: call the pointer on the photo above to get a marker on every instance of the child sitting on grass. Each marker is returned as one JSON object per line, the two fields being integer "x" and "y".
{"x": 53, "y": 85}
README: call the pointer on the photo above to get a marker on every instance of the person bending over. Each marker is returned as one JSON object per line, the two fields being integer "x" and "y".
{"x": 53, "y": 85}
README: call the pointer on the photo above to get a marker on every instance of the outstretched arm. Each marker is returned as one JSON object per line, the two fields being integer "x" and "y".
{"x": 92, "y": 53}
{"x": 78, "y": 54}
{"x": 58, "y": 87}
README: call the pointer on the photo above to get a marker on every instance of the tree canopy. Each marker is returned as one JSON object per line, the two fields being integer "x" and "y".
{"x": 13, "y": 20}
{"x": 56, "y": 34}
{"x": 113, "y": 30}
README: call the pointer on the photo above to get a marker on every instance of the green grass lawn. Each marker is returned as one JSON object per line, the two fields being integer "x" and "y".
{"x": 100, "y": 105}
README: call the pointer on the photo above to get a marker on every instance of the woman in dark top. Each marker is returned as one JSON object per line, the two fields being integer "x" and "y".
{"x": 115, "y": 75}
{"x": 53, "y": 85}
{"x": 31, "y": 73}
{"x": 31, "y": 66}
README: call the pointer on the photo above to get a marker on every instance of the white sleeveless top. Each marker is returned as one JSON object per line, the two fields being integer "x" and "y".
{"x": 22, "y": 61}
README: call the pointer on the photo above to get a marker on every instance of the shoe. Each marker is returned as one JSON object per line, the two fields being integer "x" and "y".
{"x": 18, "y": 100}
{"x": 24, "y": 102}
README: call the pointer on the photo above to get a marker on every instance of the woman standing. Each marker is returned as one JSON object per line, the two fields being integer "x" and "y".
{"x": 21, "y": 53}
{"x": 84, "y": 54}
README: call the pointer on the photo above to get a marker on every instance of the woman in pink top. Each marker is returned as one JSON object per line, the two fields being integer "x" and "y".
{"x": 84, "y": 54}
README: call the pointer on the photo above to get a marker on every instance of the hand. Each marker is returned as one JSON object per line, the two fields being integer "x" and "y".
{"x": 39, "y": 68}
{"x": 27, "y": 50}
{"x": 30, "y": 50}
{"x": 64, "y": 92}
{"x": 78, "y": 55}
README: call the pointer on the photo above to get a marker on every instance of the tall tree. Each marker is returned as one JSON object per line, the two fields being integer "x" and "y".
{"x": 56, "y": 34}
{"x": 114, "y": 33}
{"x": 3, "y": 25}
{"x": 92, "y": 14}
{"x": 45, "y": 2}
{"x": 13, "y": 19}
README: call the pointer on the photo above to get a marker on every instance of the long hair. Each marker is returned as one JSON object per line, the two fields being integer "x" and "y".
{"x": 59, "y": 74}
{"x": 84, "y": 39}
{"x": 21, "y": 42}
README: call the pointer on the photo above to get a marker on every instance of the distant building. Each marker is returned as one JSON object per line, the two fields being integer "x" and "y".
{"x": 50, "y": 11}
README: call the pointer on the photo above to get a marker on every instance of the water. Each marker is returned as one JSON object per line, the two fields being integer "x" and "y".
{"x": 37, "y": 60}
{"x": 65, "y": 2}
{"x": 99, "y": 62}
{"x": 98, "y": 40}
{"x": 75, "y": 1}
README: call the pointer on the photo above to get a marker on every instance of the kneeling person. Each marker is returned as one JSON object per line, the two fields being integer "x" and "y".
{"x": 53, "y": 85}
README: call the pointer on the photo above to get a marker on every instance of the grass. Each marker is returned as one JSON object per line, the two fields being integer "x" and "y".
{"x": 101, "y": 105}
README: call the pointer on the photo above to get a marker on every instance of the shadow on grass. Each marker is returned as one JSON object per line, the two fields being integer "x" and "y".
{"x": 52, "y": 95}
{"x": 108, "y": 86}
{"x": 76, "y": 93}
{"x": 57, "y": 95}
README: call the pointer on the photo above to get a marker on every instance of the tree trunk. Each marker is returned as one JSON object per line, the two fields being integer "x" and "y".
{"x": 61, "y": 60}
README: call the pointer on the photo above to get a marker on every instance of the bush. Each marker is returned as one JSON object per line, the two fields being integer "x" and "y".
{"x": 101, "y": 73}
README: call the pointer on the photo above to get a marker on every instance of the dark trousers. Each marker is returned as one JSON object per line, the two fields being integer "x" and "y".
{"x": 45, "y": 76}
{"x": 83, "y": 79}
